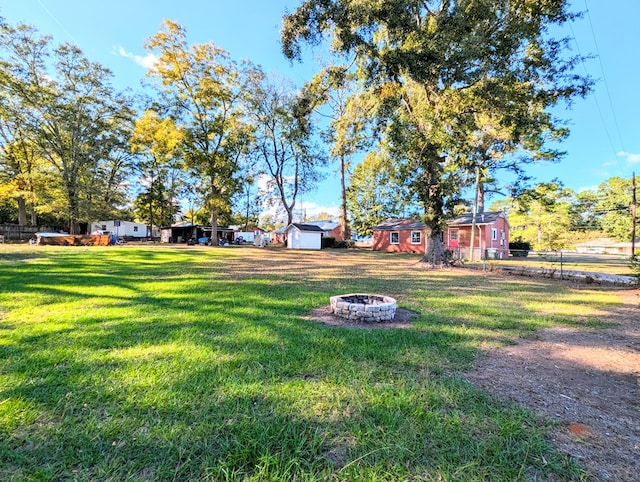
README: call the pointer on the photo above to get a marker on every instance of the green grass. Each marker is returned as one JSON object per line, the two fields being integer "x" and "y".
{"x": 159, "y": 363}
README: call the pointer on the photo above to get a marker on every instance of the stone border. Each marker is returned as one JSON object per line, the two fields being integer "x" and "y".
{"x": 383, "y": 308}
{"x": 585, "y": 276}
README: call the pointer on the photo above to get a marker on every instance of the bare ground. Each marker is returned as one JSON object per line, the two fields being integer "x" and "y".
{"x": 586, "y": 380}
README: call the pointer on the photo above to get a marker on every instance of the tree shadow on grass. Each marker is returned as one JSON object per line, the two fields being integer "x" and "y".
{"x": 216, "y": 376}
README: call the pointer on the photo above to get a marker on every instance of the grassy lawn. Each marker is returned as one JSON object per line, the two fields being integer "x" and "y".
{"x": 162, "y": 363}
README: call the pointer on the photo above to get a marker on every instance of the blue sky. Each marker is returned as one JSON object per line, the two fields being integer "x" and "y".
{"x": 604, "y": 140}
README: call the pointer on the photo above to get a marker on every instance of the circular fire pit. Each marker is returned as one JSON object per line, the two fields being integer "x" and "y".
{"x": 364, "y": 307}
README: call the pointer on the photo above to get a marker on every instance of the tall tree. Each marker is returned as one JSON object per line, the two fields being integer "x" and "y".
{"x": 66, "y": 107}
{"x": 158, "y": 140}
{"x": 22, "y": 172}
{"x": 284, "y": 141}
{"x": 377, "y": 191}
{"x": 614, "y": 208}
{"x": 348, "y": 112}
{"x": 204, "y": 90}
{"x": 424, "y": 58}
{"x": 542, "y": 216}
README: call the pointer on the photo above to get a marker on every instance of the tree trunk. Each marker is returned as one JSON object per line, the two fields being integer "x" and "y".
{"x": 480, "y": 193}
{"x": 22, "y": 211}
{"x": 289, "y": 210}
{"x": 433, "y": 200}
{"x": 214, "y": 227}
{"x": 346, "y": 231}
{"x": 215, "y": 193}
{"x": 434, "y": 250}
{"x": 74, "y": 227}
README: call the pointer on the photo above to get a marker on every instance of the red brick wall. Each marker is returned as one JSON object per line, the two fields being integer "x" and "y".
{"x": 484, "y": 230}
{"x": 336, "y": 233}
{"x": 382, "y": 242}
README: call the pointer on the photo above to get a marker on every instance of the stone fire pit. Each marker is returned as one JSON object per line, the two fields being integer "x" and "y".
{"x": 364, "y": 307}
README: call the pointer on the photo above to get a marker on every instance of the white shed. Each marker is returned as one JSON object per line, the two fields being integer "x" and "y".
{"x": 303, "y": 236}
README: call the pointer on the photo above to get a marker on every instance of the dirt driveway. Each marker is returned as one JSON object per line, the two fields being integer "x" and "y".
{"x": 587, "y": 380}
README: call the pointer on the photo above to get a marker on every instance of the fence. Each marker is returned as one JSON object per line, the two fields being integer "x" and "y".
{"x": 479, "y": 254}
{"x": 15, "y": 233}
{"x": 562, "y": 263}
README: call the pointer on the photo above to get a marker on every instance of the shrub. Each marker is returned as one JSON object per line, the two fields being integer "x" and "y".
{"x": 519, "y": 248}
{"x": 635, "y": 265}
{"x": 328, "y": 242}
{"x": 348, "y": 243}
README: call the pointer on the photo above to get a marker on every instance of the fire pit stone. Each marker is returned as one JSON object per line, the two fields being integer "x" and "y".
{"x": 364, "y": 307}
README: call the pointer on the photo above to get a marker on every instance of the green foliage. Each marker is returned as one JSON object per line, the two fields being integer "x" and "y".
{"x": 205, "y": 89}
{"x": 285, "y": 145}
{"x": 519, "y": 248}
{"x": 634, "y": 263}
{"x": 345, "y": 244}
{"x": 62, "y": 111}
{"x": 614, "y": 201}
{"x": 541, "y": 217}
{"x": 327, "y": 242}
{"x": 157, "y": 141}
{"x": 376, "y": 192}
{"x": 8, "y": 211}
{"x": 432, "y": 66}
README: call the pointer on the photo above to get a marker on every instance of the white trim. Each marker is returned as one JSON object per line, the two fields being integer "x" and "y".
{"x": 419, "y": 241}
{"x": 397, "y": 233}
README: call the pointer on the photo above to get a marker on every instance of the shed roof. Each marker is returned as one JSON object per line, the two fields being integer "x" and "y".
{"x": 481, "y": 218}
{"x": 310, "y": 228}
{"x": 396, "y": 224}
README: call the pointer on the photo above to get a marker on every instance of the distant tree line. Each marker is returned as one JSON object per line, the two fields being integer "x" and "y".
{"x": 549, "y": 216}
{"x": 73, "y": 149}
{"x": 437, "y": 97}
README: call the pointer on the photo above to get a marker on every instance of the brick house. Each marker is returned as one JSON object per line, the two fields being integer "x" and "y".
{"x": 491, "y": 240}
{"x": 396, "y": 235}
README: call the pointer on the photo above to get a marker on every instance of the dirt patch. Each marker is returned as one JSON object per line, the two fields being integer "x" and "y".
{"x": 587, "y": 380}
{"x": 324, "y": 315}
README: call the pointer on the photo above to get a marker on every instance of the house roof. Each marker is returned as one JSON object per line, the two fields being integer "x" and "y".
{"x": 325, "y": 225}
{"x": 481, "y": 218}
{"x": 395, "y": 224}
{"x": 310, "y": 228}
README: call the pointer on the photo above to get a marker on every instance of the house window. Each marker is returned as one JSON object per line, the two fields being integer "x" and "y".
{"x": 135, "y": 229}
{"x": 416, "y": 237}
{"x": 104, "y": 227}
{"x": 454, "y": 235}
{"x": 394, "y": 237}
{"x": 494, "y": 233}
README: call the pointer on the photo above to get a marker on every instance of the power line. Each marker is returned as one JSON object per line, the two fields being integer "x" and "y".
{"x": 604, "y": 77}
{"x": 595, "y": 99}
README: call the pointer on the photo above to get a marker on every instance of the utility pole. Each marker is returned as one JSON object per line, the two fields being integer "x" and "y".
{"x": 634, "y": 205}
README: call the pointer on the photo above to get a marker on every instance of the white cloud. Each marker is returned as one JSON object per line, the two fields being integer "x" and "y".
{"x": 629, "y": 157}
{"x": 148, "y": 61}
{"x": 311, "y": 209}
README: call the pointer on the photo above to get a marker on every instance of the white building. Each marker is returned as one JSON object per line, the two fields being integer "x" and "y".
{"x": 303, "y": 236}
{"x": 123, "y": 229}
